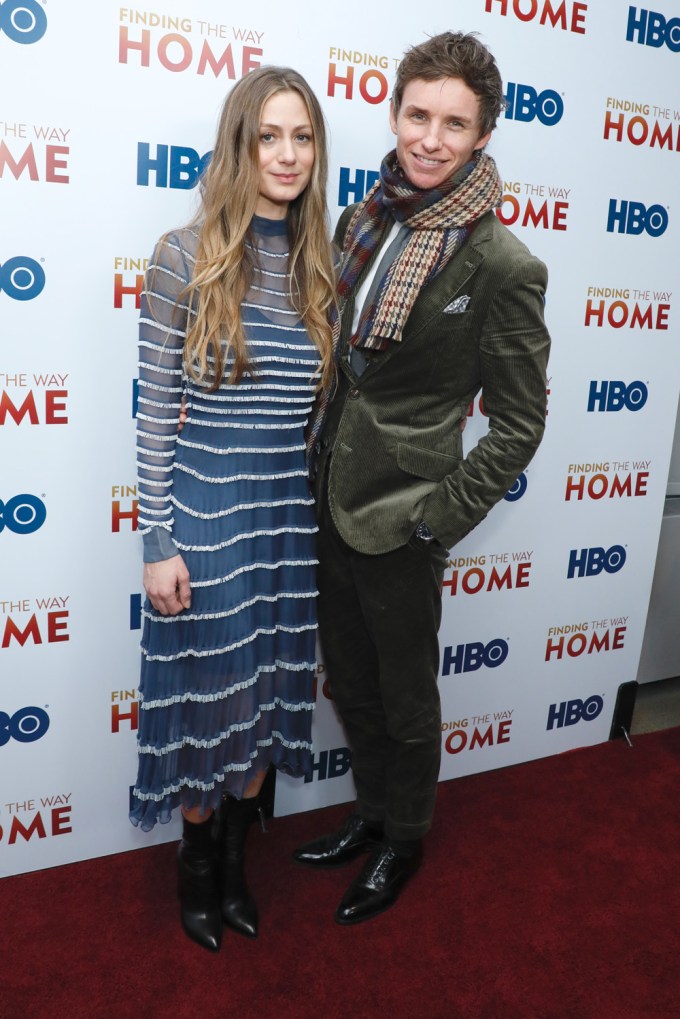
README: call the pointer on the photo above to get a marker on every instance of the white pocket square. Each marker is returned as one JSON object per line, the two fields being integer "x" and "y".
{"x": 459, "y": 305}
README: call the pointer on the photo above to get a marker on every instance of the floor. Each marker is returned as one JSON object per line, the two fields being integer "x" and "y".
{"x": 657, "y": 706}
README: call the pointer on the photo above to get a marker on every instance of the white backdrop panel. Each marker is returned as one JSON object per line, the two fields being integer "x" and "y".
{"x": 544, "y": 603}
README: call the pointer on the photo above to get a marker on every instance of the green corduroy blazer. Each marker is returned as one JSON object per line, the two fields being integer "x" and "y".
{"x": 394, "y": 432}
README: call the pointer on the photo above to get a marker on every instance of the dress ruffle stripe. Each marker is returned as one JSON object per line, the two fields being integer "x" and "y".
{"x": 226, "y": 686}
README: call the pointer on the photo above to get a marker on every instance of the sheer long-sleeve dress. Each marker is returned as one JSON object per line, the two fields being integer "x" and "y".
{"x": 226, "y": 686}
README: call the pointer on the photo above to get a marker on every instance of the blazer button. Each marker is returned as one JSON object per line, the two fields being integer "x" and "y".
{"x": 353, "y": 394}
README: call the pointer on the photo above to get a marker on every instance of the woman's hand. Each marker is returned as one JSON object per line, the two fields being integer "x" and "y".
{"x": 167, "y": 585}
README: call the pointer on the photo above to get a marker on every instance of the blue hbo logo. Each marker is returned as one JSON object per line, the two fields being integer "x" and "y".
{"x": 517, "y": 490}
{"x": 173, "y": 166}
{"x": 471, "y": 657}
{"x": 650, "y": 28}
{"x": 354, "y": 189}
{"x": 22, "y": 514}
{"x": 24, "y": 726}
{"x": 612, "y": 395}
{"x": 590, "y": 562}
{"x": 634, "y": 218}
{"x": 572, "y": 712}
{"x": 22, "y": 278}
{"x": 23, "y": 21}
{"x": 525, "y": 104}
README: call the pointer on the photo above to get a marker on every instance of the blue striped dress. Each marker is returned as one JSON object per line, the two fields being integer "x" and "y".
{"x": 226, "y": 685}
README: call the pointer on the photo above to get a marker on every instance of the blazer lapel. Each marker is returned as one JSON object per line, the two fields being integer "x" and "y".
{"x": 432, "y": 300}
{"x": 443, "y": 289}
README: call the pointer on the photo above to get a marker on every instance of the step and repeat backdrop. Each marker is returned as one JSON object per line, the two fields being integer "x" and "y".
{"x": 107, "y": 115}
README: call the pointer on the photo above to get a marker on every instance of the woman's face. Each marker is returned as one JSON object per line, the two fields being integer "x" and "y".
{"x": 286, "y": 153}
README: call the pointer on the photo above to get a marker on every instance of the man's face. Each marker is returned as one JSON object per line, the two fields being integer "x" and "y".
{"x": 437, "y": 129}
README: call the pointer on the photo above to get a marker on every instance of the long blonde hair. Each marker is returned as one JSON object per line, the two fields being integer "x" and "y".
{"x": 224, "y": 267}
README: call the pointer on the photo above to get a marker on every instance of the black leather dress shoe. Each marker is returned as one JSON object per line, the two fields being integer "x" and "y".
{"x": 355, "y": 837}
{"x": 378, "y": 885}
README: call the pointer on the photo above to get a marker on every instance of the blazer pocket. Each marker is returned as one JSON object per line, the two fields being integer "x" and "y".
{"x": 425, "y": 463}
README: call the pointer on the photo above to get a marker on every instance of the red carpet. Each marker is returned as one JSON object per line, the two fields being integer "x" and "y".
{"x": 549, "y": 890}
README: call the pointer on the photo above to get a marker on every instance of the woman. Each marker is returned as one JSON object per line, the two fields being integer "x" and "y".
{"x": 234, "y": 321}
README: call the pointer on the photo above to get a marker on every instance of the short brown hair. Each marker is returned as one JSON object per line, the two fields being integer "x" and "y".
{"x": 455, "y": 55}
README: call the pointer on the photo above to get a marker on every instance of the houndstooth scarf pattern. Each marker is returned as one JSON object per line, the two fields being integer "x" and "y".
{"x": 440, "y": 219}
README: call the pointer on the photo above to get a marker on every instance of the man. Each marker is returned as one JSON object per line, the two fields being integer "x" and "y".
{"x": 438, "y": 300}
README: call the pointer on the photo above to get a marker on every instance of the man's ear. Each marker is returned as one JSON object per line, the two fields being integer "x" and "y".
{"x": 393, "y": 117}
{"x": 483, "y": 142}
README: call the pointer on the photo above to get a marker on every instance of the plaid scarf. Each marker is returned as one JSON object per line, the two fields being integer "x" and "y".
{"x": 440, "y": 220}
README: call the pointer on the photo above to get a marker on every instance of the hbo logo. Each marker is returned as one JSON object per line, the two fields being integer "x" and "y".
{"x": 470, "y": 657}
{"x": 22, "y": 278}
{"x": 571, "y": 712}
{"x": 23, "y": 21}
{"x": 525, "y": 103}
{"x": 173, "y": 166}
{"x": 652, "y": 29}
{"x": 24, "y": 726}
{"x": 23, "y": 514}
{"x": 331, "y": 764}
{"x": 615, "y": 395}
{"x": 633, "y": 218}
{"x": 517, "y": 490}
{"x": 589, "y": 562}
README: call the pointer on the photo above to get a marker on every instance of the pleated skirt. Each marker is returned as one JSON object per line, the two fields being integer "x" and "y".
{"x": 226, "y": 687}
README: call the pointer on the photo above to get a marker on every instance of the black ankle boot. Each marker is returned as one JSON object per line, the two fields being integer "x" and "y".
{"x": 237, "y": 904}
{"x": 197, "y": 885}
